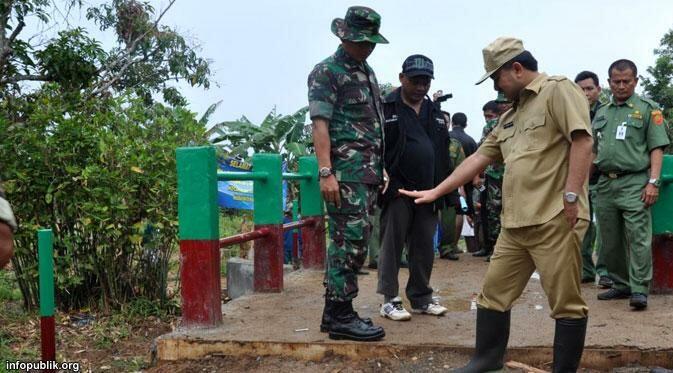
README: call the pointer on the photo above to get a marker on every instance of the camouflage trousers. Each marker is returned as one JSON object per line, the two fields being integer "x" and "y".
{"x": 350, "y": 228}
{"x": 492, "y": 209}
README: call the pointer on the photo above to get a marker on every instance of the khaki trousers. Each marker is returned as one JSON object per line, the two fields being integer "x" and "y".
{"x": 553, "y": 248}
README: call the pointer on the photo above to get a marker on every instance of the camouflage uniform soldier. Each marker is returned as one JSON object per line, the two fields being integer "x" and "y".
{"x": 492, "y": 194}
{"x": 7, "y": 228}
{"x": 345, "y": 107}
{"x": 448, "y": 248}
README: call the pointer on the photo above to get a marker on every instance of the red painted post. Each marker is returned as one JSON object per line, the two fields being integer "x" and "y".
{"x": 201, "y": 291}
{"x": 313, "y": 244}
{"x": 662, "y": 264}
{"x": 268, "y": 263}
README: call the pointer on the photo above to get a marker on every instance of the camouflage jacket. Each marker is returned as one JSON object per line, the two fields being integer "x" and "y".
{"x": 345, "y": 92}
{"x": 495, "y": 170}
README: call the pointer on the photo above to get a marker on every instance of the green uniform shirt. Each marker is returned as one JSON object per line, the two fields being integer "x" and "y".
{"x": 495, "y": 170}
{"x": 345, "y": 92}
{"x": 456, "y": 152}
{"x": 624, "y": 135}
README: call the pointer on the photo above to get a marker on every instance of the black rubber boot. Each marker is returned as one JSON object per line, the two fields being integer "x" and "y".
{"x": 347, "y": 325}
{"x": 492, "y": 337}
{"x": 327, "y": 317}
{"x": 569, "y": 344}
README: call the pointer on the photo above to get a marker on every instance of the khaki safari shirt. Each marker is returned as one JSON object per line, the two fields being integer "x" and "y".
{"x": 346, "y": 93}
{"x": 533, "y": 141}
{"x": 645, "y": 130}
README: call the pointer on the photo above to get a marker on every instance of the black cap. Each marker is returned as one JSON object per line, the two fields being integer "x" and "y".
{"x": 417, "y": 65}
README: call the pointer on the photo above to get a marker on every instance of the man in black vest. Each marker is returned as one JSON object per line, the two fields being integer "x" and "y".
{"x": 416, "y": 158}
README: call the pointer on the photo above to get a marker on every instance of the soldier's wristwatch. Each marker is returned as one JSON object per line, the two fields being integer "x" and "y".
{"x": 570, "y": 197}
{"x": 655, "y": 182}
{"x": 325, "y": 172}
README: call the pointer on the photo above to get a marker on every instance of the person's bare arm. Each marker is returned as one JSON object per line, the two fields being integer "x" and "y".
{"x": 579, "y": 164}
{"x": 6, "y": 244}
{"x": 470, "y": 167}
{"x": 329, "y": 186}
{"x": 651, "y": 192}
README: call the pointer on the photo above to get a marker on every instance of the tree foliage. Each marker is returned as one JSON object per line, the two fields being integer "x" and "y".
{"x": 101, "y": 174}
{"x": 288, "y": 135}
{"x": 147, "y": 57}
{"x": 87, "y": 151}
{"x": 659, "y": 84}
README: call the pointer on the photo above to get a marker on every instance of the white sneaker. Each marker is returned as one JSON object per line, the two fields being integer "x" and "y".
{"x": 394, "y": 310}
{"x": 433, "y": 308}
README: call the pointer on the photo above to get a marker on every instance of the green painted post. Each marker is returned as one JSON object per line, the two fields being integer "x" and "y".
{"x": 198, "y": 218}
{"x": 45, "y": 258}
{"x": 663, "y": 209}
{"x": 45, "y": 242}
{"x": 312, "y": 237}
{"x": 268, "y": 195}
{"x": 311, "y": 199}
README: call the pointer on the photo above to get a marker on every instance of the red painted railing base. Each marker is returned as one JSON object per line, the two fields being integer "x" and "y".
{"x": 313, "y": 244}
{"x": 662, "y": 264}
{"x": 48, "y": 339}
{"x": 268, "y": 260}
{"x": 200, "y": 277}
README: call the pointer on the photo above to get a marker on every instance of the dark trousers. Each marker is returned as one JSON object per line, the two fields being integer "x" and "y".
{"x": 404, "y": 222}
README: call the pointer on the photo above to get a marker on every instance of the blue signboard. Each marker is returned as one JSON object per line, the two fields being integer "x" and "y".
{"x": 238, "y": 194}
{"x": 235, "y": 194}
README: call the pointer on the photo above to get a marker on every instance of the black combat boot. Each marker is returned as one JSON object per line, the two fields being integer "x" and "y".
{"x": 569, "y": 344}
{"x": 327, "y": 317}
{"x": 492, "y": 337}
{"x": 346, "y": 324}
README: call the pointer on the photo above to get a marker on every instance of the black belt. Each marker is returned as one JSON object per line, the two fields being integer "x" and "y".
{"x": 618, "y": 174}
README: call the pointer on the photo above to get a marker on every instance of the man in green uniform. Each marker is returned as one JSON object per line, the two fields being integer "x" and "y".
{"x": 491, "y": 194}
{"x": 588, "y": 81}
{"x": 448, "y": 241}
{"x": 346, "y": 113}
{"x": 545, "y": 143}
{"x": 630, "y": 133}
{"x": 7, "y": 229}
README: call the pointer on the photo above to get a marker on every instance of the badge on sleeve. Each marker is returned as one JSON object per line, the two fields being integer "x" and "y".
{"x": 657, "y": 117}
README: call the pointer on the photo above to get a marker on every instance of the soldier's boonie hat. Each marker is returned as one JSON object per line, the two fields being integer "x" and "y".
{"x": 498, "y": 53}
{"x": 360, "y": 24}
{"x": 418, "y": 64}
{"x": 501, "y": 99}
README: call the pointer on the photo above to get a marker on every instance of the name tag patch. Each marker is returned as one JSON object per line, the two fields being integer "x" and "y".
{"x": 508, "y": 125}
{"x": 621, "y": 131}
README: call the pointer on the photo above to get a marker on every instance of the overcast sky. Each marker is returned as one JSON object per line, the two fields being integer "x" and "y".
{"x": 262, "y": 51}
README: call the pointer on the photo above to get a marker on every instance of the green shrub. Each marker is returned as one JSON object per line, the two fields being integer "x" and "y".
{"x": 101, "y": 173}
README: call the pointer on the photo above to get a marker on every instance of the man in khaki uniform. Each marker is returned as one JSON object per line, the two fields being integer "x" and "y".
{"x": 545, "y": 143}
{"x": 630, "y": 133}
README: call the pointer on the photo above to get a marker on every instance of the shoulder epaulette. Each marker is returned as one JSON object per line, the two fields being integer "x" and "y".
{"x": 650, "y": 102}
{"x": 557, "y": 78}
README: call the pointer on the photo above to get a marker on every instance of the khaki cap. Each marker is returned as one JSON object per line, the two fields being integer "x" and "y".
{"x": 498, "y": 53}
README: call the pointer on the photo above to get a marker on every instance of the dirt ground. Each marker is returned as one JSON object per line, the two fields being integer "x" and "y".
{"x": 293, "y": 317}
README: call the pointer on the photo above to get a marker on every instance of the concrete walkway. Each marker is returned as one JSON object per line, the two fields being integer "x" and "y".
{"x": 288, "y": 324}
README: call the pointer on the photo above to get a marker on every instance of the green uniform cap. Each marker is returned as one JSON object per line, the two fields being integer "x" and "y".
{"x": 360, "y": 24}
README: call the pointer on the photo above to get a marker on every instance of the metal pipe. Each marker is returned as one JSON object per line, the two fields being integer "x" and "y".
{"x": 235, "y": 175}
{"x": 244, "y": 237}
{"x": 308, "y": 222}
{"x": 296, "y": 176}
